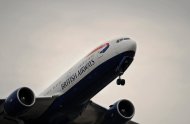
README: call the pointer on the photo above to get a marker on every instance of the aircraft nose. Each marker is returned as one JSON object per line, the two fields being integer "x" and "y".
{"x": 132, "y": 45}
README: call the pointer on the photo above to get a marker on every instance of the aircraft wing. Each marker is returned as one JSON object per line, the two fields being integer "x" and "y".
{"x": 40, "y": 106}
{"x": 93, "y": 114}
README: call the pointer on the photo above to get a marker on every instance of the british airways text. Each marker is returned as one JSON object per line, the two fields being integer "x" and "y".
{"x": 74, "y": 76}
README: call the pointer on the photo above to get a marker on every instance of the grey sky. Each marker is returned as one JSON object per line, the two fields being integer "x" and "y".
{"x": 40, "y": 40}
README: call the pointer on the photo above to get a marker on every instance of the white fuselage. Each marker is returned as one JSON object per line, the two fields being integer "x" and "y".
{"x": 88, "y": 64}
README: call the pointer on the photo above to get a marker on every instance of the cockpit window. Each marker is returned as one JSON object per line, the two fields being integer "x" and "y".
{"x": 119, "y": 40}
{"x": 126, "y": 38}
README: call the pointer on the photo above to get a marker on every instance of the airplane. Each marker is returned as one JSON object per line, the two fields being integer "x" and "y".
{"x": 68, "y": 99}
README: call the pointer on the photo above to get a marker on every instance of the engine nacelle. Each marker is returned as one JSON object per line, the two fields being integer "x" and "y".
{"x": 119, "y": 113}
{"x": 20, "y": 101}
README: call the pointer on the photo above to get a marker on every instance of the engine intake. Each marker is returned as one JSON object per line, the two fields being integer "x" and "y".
{"x": 126, "y": 109}
{"x": 20, "y": 101}
{"x": 120, "y": 112}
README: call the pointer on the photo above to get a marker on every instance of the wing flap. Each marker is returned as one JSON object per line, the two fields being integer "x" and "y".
{"x": 90, "y": 115}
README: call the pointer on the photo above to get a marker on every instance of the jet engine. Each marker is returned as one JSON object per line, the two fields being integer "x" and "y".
{"x": 119, "y": 113}
{"x": 20, "y": 101}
